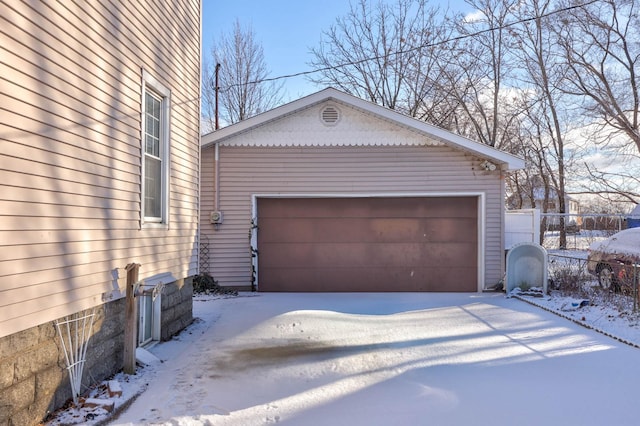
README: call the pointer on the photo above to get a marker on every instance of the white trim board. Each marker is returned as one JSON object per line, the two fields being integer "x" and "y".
{"x": 224, "y": 135}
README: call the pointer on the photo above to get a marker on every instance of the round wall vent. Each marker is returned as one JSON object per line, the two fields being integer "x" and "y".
{"x": 330, "y": 115}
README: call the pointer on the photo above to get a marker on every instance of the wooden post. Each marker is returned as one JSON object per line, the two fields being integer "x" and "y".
{"x": 131, "y": 320}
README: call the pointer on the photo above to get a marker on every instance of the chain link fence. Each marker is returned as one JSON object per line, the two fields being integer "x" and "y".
{"x": 581, "y": 230}
{"x": 568, "y": 268}
{"x": 569, "y": 276}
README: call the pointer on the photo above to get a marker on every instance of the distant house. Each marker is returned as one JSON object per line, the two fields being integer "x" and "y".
{"x": 99, "y": 168}
{"x": 334, "y": 193}
{"x": 633, "y": 218}
{"x": 536, "y": 199}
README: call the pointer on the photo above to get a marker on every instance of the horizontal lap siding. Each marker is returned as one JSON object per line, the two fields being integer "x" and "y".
{"x": 70, "y": 90}
{"x": 336, "y": 170}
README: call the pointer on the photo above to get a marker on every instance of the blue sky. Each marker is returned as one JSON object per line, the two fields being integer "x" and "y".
{"x": 287, "y": 30}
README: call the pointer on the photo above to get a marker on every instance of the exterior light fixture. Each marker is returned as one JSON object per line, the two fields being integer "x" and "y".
{"x": 488, "y": 166}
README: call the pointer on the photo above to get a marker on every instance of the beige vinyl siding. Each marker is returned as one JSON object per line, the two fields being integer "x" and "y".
{"x": 207, "y": 184}
{"x": 70, "y": 104}
{"x": 362, "y": 170}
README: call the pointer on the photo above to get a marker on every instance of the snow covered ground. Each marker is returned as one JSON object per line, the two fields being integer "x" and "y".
{"x": 380, "y": 359}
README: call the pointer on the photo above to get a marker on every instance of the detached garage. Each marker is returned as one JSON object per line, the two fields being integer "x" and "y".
{"x": 332, "y": 193}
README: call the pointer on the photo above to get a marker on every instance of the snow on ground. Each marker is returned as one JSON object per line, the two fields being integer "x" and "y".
{"x": 618, "y": 321}
{"x": 578, "y": 242}
{"x": 379, "y": 359}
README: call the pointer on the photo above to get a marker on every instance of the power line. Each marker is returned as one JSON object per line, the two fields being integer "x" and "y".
{"x": 120, "y": 117}
{"x": 413, "y": 49}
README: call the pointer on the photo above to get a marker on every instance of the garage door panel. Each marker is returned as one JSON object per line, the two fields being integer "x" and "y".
{"x": 449, "y": 254}
{"x": 368, "y": 207}
{"x": 368, "y": 244}
{"x": 367, "y": 255}
{"x": 390, "y": 230}
{"x": 447, "y": 230}
{"x": 367, "y": 279}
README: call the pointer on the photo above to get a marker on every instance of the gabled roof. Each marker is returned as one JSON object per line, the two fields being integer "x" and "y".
{"x": 330, "y": 94}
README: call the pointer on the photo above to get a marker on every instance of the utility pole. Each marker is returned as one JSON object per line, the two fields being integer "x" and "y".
{"x": 217, "y": 90}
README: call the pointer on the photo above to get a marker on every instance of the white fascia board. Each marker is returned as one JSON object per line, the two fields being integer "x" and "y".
{"x": 504, "y": 159}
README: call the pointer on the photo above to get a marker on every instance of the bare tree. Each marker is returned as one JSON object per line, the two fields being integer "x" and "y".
{"x": 514, "y": 75}
{"x": 479, "y": 71}
{"x": 386, "y": 54}
{"x": 244, "y": 90}
{"x": 616, "y": 206}
{"x": 427, "y": 98}
{"x": 601, "y": 44}
{"x": 611, "y": 174}
{"x": 544, "y": 75}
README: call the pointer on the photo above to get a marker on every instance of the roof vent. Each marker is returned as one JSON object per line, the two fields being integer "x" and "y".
{"x": 330, "y": 115}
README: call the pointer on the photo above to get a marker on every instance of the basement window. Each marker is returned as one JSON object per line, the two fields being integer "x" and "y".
{"x": 149, "y": 311}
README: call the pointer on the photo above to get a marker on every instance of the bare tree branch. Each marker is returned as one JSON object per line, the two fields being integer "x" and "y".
{"x": 602, "y": 52}
{"x": 386, "y": 53}
{"x": 243, "y": 91}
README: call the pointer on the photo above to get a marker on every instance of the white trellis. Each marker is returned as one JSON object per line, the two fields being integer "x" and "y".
{"x": 75, "y": 331}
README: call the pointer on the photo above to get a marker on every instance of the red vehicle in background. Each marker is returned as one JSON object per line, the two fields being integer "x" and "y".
{"x": 616, "y": 260}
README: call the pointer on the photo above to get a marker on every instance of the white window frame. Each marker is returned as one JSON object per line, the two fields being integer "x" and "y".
{"x": 150, "y": 295}
{"x": 152, "y": 86}
{"x": 151, "y": 317}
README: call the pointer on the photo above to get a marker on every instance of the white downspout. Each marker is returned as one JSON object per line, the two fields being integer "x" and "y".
{"x": 216, "y": 200}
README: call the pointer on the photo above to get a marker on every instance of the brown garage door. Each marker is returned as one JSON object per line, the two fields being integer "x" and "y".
{"x": 367, "y": 244}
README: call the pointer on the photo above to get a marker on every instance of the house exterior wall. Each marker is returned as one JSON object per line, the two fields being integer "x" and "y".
{"x": 33, "y": 379}
{"x": 71, "y": 78}
{"x": 255, "y": 164}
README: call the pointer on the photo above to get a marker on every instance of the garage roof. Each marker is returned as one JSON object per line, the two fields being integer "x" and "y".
{"x": 508, "y": 161}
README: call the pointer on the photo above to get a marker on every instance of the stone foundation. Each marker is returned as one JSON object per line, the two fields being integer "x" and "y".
{"x": 177, "y": 308}
{"x": 33, "y": 377}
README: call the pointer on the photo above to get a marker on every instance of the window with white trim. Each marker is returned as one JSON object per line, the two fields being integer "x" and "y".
{"x": 156, "y": 100}
{"x": 149, "y": 311}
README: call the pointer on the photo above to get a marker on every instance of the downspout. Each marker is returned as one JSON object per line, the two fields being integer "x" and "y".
{"x": 216, "y": 199}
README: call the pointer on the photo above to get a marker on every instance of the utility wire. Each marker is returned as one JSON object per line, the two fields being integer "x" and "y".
{"x": 413, "y": 49}
{"x": 120, "y": 117}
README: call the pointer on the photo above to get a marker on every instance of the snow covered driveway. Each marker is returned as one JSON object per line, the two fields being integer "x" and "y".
{"x": 382, "y": 359}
